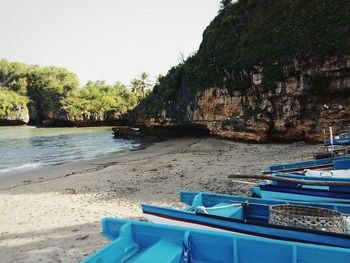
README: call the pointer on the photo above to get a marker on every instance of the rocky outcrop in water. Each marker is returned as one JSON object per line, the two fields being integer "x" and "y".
{"x": 62, "y": 118}
{"x": 18, "y": 116}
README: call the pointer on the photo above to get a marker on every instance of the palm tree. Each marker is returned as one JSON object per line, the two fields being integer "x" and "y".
{"x": 141, "y": 84}
{"x": 136, "y": 86}
{"x": 158, "y": 78}
{"x": 144, "y": 83}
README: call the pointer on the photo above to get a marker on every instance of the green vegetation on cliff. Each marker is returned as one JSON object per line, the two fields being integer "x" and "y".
{"x": 99, "y": 98}
{"x": 248, "y": 33}
{"x": 43, "y": 87}
{"x": 10, "y": 103}
{"x": 54, "y": 93}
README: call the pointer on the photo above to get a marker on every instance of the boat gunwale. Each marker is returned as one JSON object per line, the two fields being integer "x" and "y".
{"x": 250, "y": 222}
{"x": 270, "y": 187}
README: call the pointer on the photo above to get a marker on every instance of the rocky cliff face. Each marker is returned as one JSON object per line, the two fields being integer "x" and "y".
{"x": 298, "y": 108}
{"x": 24, "y": 115}
{"x": 313, "y": 95}
{"x": 62, "y": 118}
{"x": 265, "y": 70}
{"x": 18, "y": 116}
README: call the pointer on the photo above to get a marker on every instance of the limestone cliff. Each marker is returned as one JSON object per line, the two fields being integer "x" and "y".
{"x": 266, "y": 70}
{"x": 13, "y": 108}
{"x": 18, "y": 116}
{"x": 290, "y": 112}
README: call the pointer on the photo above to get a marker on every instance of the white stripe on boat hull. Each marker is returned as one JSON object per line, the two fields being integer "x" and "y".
{"x": 174, "y": 222}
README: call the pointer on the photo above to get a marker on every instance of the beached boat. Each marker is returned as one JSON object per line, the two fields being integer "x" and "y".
{"x": 331, "y": 152}
{"x": 344, "y": 173}
{"x": 248, "y": 216}
{"x": 343, "y": 138}
{"x": 301, "y": 193}
{"x": 335, "y": 171}
{"x": 141, "y": 242}
{"x": 335, "y": 163}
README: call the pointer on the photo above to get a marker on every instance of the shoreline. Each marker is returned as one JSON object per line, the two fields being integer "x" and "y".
{"x": 15, "y": 178}
{"x": 55, "y": 217}
{"x": 26, "y": 172}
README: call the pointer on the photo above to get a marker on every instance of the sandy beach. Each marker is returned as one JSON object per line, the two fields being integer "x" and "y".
{"x": 53, "y": 214}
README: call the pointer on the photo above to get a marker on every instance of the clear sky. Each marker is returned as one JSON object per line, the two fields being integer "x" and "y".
{"x": 112, "y": 40}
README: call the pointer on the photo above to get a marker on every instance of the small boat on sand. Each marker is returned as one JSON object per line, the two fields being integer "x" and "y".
{"x": 248, "y": 216}
{"x": 343, "y": 138}
{"x": 322, "y": 192}
{"x": 344, "y": 173}
{"x": 302, "y": 193}
{"x": 335, "y": 163}
{"x": 141, "y": 242}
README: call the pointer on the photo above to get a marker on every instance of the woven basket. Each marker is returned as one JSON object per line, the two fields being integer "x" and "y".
{"x": 306, "y": 217}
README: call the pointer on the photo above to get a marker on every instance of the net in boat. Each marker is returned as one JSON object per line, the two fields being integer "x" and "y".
{"x": 307, "y": 217}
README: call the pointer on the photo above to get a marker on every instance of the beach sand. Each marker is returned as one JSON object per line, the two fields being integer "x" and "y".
{"x": 53, "y": 214}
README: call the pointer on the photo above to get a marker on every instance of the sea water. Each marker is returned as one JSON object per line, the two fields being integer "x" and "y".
{"x": 27, "y": 147}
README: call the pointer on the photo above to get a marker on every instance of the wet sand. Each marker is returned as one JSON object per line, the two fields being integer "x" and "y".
{"x": 53, "y": 214}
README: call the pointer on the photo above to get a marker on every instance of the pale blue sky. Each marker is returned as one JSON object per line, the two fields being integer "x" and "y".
{"x": 103, "y": 39}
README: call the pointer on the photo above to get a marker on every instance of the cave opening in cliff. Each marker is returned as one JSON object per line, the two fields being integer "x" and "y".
{"x": 175, "y": 131}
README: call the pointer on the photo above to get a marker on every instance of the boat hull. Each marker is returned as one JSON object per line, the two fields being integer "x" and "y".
{"x": 175, "y": 217}
{"x": 140, "y": 242}
{"x": 303, "y": 194}
{"x": 305, "y": 164}
{"x": 345, "y": 174}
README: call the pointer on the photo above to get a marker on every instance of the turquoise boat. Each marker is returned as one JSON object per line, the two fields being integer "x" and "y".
{"x": 308, "y": 194}
{"x": 343, "y": 138}
{"x": 241, "y": 215}
{"x": 339, "y": 162}
{"x": 141, "y": 242}
{"x": 301, "y": 192}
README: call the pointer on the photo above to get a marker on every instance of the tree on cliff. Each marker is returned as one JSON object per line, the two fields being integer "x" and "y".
{"x": 141, "y": 85}
{"x": 158, "y": 78}
{"x": 225, "y": 3}
{"x": 11, "y": 103}
{"x": 256, "y": 49}
{"x": 53, "y": 93}
{"x": 98, "y": 97}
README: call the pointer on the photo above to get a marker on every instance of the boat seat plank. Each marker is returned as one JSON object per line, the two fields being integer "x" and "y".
{"x": 163, "y": 251}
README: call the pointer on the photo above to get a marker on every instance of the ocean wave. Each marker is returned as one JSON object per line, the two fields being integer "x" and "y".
{"x": 21, "y": 167}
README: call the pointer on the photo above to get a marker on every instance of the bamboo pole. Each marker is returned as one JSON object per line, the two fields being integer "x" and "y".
{"x": 289, "y": 180}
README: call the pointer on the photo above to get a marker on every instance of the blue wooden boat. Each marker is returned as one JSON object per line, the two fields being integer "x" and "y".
{"x": 288, "y": 191}
{"x": 339, "y": 162}
{"x": 340, "y": 141}
{"x": 343, "y": 138}
{"x": 322, "y": 179}
{"x": 248, "y": 216}
{"x": 141, "y": 242}
{"x": 300, "y": 192}
{"x": 304, "y": 193}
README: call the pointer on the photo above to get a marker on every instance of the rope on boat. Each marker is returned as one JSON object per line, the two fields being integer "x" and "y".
{"x": 205, "y": 209}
